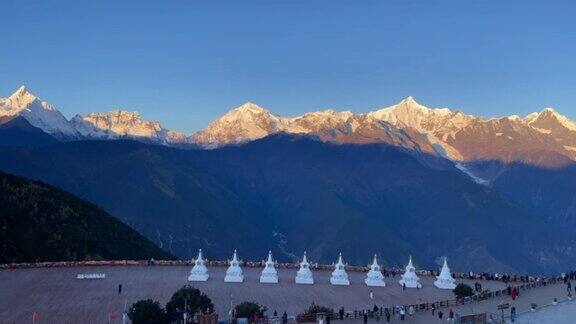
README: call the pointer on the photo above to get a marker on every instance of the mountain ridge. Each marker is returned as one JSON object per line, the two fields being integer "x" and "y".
{"x": 545, "y": 138}
{"x": 439, "y": 131}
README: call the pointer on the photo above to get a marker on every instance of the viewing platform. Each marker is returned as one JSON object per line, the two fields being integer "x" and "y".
{"x": 60, "y": 297}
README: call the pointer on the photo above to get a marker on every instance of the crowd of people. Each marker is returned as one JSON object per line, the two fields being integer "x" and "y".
{"x": 388, "y": 272}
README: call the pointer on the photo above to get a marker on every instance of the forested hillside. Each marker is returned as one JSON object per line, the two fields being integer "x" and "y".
{"x": 39, "y": 222}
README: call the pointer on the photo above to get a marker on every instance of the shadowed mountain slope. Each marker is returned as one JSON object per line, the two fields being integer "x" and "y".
{"x": 17, "y": 131}
{"x": 291, "y": 194}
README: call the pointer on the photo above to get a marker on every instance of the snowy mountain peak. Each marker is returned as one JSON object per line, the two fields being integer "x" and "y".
{"x": 22, "y": 91}
{"x": 545, "y": 112}
{"x": 410, "y": 113}
{"x": 38, "y": 113}
{"x": 410, "y": 103}
{"x": 410, "y": 100}
{"x": 329, "y": 113}
{"x": 244, "y": 123}
{"x": 546, "y": 119}
{"x": 250, "y": 107}
{"x": 123, "y": 123}
{"x": 20, "y": 98}
{"x": 118, "y": 115}
{"x": 245, "y": 113}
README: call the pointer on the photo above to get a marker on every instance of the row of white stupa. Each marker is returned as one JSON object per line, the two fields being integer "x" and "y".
{"x": 339, "y": 277}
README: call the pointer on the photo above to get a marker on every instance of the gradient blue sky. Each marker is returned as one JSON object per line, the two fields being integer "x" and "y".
{"x": 187, "y": 62}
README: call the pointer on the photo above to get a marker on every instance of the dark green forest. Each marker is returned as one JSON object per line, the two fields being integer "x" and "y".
{"x": 39, "y": 222}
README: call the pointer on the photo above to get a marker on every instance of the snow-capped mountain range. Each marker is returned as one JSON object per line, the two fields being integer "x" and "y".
{"x": 544, "y": 137}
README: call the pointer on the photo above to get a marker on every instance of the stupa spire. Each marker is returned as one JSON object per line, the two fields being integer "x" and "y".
{"x": 445, "y": 279}
{"x": 269, "y": 257}
{"x": 304, "y": 274}
{"x": 199, "y": 272}
{"x": 234, "y": 272}
{"x": 374, "y": 277}
{"x": 269, "y": 273}
{"x": 339, "y": 275}
{"x": 409, "y": 278}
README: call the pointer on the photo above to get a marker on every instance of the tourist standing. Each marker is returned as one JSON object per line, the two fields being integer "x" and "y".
{"x": 411, "y": 310}
{"x": 285, "y": 318}
{"x": 433, "y": 309}
{"x": 451, "y": 316}
{"x": 387, "y": 314}
{"x": 365, "y": 317}
{"x": 371, "y": 295}
{"x": 402, "y": 313}
{"x": 403, "y": 286}
{"x": 440, "y": 315}
{"x": 119, "y": 289}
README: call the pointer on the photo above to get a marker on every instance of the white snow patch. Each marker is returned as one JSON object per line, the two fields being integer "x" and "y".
{"x": 542, "y": 130}
{"x": 477, "y": 179}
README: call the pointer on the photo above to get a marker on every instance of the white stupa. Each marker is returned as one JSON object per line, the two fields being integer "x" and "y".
{"x": 199, "y": 272}
{"x": 339, "y": 275}
{"x": 234, "y": 272}
{"x": 304, "y": 274}
{"x": 269, "y": 273}
{"x": 445, "y": 280}
{"x": 409, "y": 278}
{"x": 374, "y": 277}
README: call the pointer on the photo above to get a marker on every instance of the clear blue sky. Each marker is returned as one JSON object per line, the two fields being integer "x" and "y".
{"x": 187, "y": 62}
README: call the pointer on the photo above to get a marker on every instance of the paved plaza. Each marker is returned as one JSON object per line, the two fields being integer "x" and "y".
{"x": 563, "y": 313}
{"x": 61, "y": 298}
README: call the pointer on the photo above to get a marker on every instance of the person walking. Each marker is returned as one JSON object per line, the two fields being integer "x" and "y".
{"x": 119, "y": 289}
{"x": 451, "y": 316}
{"x": 402, "y": 313}
{"x": 371, "y": 295}
{"x": 403, "y": 286}
{"x": 411, "y": 310}
{"x": 440, "y": 316}
{"x": 285, "y": 318}
{"x": 365, "y": 317}
{"x": 387, "y": 314}
{"x": 433, "y": 309}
